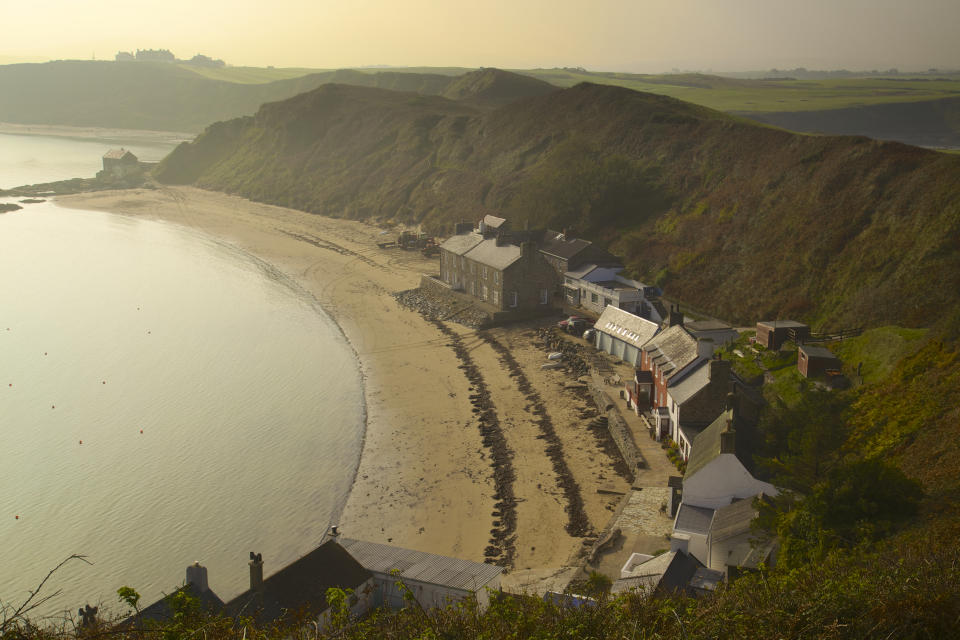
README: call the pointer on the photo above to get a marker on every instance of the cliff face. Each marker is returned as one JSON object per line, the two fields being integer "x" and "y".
{"x": 735, "y": 218}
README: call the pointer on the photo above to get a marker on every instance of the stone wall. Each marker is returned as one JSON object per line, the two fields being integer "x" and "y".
{"x": 619, "y": 430}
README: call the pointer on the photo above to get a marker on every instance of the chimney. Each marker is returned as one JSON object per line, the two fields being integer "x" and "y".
{"x": 197, "y": 576}
{"x": 334, "y": 532}
{"x": 256, "y": 570}
{"x": 704, "y": 348}
{"x": 526, "y": 250}
{"x": 728, "y": 437}
{"x": 674, "y": 317}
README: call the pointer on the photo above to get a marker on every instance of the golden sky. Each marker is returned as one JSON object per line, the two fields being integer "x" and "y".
{"x": 627, "y": 35}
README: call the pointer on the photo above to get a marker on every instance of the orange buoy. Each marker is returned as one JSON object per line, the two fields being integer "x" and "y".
{"x": 81, "y": 442}
{"x": 16, "y": 517}
{"x": 141, "y": 430}
{"x": 104, "y": 382}
{"x": 53, "y": 406}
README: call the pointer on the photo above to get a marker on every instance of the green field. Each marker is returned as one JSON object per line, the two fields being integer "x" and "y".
{"x": 715, "y": 92}
{"x": 730, "y": 94}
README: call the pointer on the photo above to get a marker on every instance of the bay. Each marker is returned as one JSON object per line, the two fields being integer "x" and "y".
{"x": 220, "y": 410}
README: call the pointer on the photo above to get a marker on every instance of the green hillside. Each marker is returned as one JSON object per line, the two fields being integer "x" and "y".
{"x": 169, "y": 97}
{"x": 742, "y": 220}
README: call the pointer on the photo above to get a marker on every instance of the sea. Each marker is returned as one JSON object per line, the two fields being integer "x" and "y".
{"x": 165, "y": 398}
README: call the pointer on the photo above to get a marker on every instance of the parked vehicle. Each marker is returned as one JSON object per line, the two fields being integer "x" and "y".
{"x": 574, "y": 325}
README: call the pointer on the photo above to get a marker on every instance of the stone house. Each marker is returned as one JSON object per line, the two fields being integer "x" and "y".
{"x": 668, "y": 358}
{"x": 697, "y": 399}
{"x": 118, "y": 163}
{"x": 565, "y": 253}
{"x": 490, "y": 267}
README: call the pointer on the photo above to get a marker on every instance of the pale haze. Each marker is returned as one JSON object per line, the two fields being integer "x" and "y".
{"x": 624, "y": 35}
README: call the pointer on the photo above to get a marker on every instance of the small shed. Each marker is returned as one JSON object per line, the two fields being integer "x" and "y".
{"x": 816, "y": 361}
{"x": 120, "y": 162}
{"x": 773, "y": 333}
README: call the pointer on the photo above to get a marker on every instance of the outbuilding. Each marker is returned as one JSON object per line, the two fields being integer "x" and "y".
{"x": 816, "y": 361}
{"x": 773, "y": 333}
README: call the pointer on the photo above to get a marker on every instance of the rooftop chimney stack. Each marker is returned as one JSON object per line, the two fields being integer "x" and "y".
{"x": 728, "y": 437}
{"x": 197, "y": 576}
{"x": 674, "y": 317}
{"x": 256, "y": 570}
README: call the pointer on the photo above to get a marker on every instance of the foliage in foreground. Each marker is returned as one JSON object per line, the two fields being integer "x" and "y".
{"x": 908, "y": 587}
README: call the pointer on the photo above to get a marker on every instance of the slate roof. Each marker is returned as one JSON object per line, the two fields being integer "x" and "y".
{"x": 556, "y": 244}
{"x": 672, "y": 350}
{"x": 691, "y": 384}
{"x": 489, "y": 253}
{"x": 625, "y": 326}
{"x": 818, "y": 352}
{"x": 422, "y": 566}
{"x": 301, "y": 585}
{"x": 493, "y": 221}
{"x": 707, "y": 325}
{"x": 460, "y": 244}
{"x": 160, "y": 610}
{"x": 706, "y": 579}
{"x": 693, "y": 519}
{"x": 669, "y": 572}
{"x": 706, "y": 446}
{"x": 733, "y": 519}
{"x": 118, "y": 154}
{"x": 581, "y": 272}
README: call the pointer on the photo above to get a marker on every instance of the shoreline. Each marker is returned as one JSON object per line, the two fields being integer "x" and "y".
{"x": 427, "y": 474}
{"x": 94, "y": 133}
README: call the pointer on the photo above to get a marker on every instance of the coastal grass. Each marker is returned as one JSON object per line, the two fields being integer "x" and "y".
{"x": 879, "y": 350}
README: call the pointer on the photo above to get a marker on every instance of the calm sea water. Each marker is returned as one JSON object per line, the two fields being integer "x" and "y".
{"x": 219, "y": 410}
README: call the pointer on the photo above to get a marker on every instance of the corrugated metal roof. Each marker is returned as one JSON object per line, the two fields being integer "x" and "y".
{"x": 462, "y": 243}
{"x": 421, "y": 566}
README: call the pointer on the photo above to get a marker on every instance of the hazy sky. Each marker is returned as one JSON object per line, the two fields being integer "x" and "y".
{"x": 629, "y": 35}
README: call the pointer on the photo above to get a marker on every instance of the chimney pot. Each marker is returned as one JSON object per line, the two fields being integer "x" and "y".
{"x": 197, "y": 576}
{"x": 256, "y": 570}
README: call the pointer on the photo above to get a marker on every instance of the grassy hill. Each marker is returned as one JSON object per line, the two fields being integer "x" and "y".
{"x": 740, "y": 219}
{"x": 921, "y": 109}
{"x": 170, "y": 97}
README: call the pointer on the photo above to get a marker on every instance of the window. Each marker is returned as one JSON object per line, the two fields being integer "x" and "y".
{"x": 593, "y": 297}
{"x": 607, "y": 301}
{"x": 544, "y": 296}
{"x": 496, "y": 277}
{"x": 484, "y": 274}
{"x": 496, "y": 297}
{"x": 486, "y": 293}
{"x": 512, "y": 298}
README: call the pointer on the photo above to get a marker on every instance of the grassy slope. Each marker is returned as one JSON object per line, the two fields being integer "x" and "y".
{"x": 743, "y": 220}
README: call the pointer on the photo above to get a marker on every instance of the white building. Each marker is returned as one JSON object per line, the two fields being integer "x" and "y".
{"x": 596, "y": 288}
{"x": 622, "y": 334}
{"x": 715, "y": 475}
{"x": 434, "y": 580}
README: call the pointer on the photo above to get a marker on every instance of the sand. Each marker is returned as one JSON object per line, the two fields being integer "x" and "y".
{"x": 424, "y": 480}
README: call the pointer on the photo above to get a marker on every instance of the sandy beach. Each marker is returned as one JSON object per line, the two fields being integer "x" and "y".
{"x": 425, "y": 479}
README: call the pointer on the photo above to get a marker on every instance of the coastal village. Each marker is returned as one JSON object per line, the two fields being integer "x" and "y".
{"x": 663, "y": 395}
